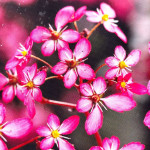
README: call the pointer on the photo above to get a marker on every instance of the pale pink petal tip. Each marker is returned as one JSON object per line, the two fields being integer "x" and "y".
{"x": 69, "y": 125}
{"x": 147, "y": 119}
{"x": 120, "y": 34}
{"x": 17, "y": 128}
{"x": 133, "y": 146}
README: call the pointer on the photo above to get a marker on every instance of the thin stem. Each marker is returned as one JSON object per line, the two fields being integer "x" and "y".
{"x": 100, "y": 67}
{"x": 46, "y": 63}
{"x": 93, "y": 29}
{"x": 59, "y": 103}
{"x": 25, "y": 143}
{"x": 51, "y": 77}
{"x": 75, "y": 25}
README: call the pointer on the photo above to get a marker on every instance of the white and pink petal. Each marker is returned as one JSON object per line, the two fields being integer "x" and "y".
{"x": 120, "y": 34}
{"x": 47, "y": 143}
{"x": 133, "y": 146}
{"x": 86, "y": 89}
{"x": 3, "y": 146}
{"x": 147, "y": 119}
{"x": 111, "y": 73}
{"x": 39, "y": 78}
{"x": 120, "y": 53}
{"x": 43, "y": 131}
{"x": 112, "y": 61}
{"x": 65, "y": 54}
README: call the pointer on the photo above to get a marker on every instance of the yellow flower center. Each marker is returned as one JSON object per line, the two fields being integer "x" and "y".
{"x": 123, "y": 84}
{"x": 30, "y": 84}
{"x": 55, "y": 35}
{"x": 105, "y": 17}
{"x": 122, "y": 64}
{"x": 55, "y": 134}
{"x": 24, "y": 53}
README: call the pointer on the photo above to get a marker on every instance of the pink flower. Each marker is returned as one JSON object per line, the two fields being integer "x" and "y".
{"x": 30, "y": 80}
{"x": 119, "y": 65}
{"x": 91, "y": 100}
{"x": 10, "y": 86}
{"x": 72, "y": 63}
{"x": 56, "y": 39}
{"x": 54, "y": 132}
{"x": 113, "y": 144}
{"x": 22, "y": 55}
{"x": 14, "y": 129}
{"x": 127, "y": 86}
{"x": 147, "y": 119}
{"x": 106, "y": 16}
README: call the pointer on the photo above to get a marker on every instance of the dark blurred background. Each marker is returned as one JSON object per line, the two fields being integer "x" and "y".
{"x": 19, "y": 17}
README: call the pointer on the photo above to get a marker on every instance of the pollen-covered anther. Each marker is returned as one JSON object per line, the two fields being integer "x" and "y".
{"x": 55, "y": 134}
{"x": 122, "y": 65}
{"x": 95, "y": 98}
{"x": 24, "y": 53}
{"x": 71, "y": 63}
{"x": 55, "y": 35}
{"x": 123, "y": 84}
{"x": 105, "y": 17}
{"x": 30, "y": 84}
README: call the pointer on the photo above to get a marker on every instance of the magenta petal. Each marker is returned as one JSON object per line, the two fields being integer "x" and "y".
{"x": 17, "y": 128}
{"x": 48, "y": 48}
{"x": 137, "y": 88}
{"x": 148, "y": 87}
{"x": 43, "y": 131}
{"x": 60, "y": 68}
{"x": 4, "y": 81}
{"x": 79, "y": 12}
{"x": 39, "y": 78}
{"x": 69, "y": 125}
{"x": 99, "y": 85}
{"x": 96, "y": 148}
{"x": 53, "y": 121}
{"x": 8, "y": 93}
{"x": 112, "y": 61}
{"x": 119, "y": 103}
{"x": 3, "y": 145}
{"x": 112, "y": 143}
{"x": 120, "y": 53}
{"x": 133, "y": 146}
{"x": 94, "y": 120}
{"x": 63, "y": 16}
{"x": 133, "y": 58}
{"x": 70, "y": 78}
{"x": 28, "y": 43}
{"x": 85, "y": 71}
{"x": 47, "y": 143}
{"x": 64, "y": 145}
{"x": 120, "y": 34}
{"x": 82, "y": 49}
{"x": 31, "y": 71}
{"x": 13, "y": 62}
{"x": 147, "y": 119}
{"x": 86, "y": 89}
{"x": 37, "y": 94}
{"x": 2, "y": 113}
{"x": 40, "y": 34}
{"x": 70, "y": 36}
{"x": 111, "y": 73}
{"x": 65, "y": 54}
{"x": 84, "y": 105}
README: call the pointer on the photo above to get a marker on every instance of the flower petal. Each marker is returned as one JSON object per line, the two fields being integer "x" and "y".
{"x": 94, "y": 120}
{"x": 69, "y": 125}
{"x": 37, "y": 94}
{"x": 17, "y": 128}
{"x": 63, "y": 16}
{"x": 120, "y": 53}
{"x": 111, "y": 61}
{"x": 99, "y": 85}
{"x": 53, "y": 121}
{"x": 64, "y": 145}
{"x": 70, "y": 36}
{"x": 133, "y": 145}
{"x": 65, "y": 54}
{"x": 106, "y": 9}
{"x": 84, "y": 105}
{"x": 109, "y": 26}
{"x": 43, "y": 131}
{"x": 3, "y": 145}
{"x": 93, "y": 16}
{"x": 82, "y": 49}
{"x": 70, "y": 78}
{"x": 119, "y": 103}
{"x": 85, "y": 71}
{"x": 86, "y": 89}
{"x": 48, "y": 48}
{"x": 79, "y": 12}
{"x": 8, "y": 93}
{"x": 111, "y": 73}
{"x": 40, "y": 34}
{"x": 39, "y": 78}
{"x": 4, "y": 81}
{"x": 61, "y": 44}
{"x": 120, "y": 34}
{"x": 2, "y": 113}
{"x": 148, "y": 87}
{"x": 133, "y": 57}
{"x": 147, "y": 119}
{"x": 13, "y": 62}
{"x": 47, "y": 143}
{"x": 96, "y": 148}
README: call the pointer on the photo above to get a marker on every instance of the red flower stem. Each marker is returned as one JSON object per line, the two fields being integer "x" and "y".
{"x": 100, "y": 67}
{"x": 25, "y": 143}
{"x": 97, "y": 135}
{"x": 75, "y": 25}
{"x": 93, "y": 29}
{"x": 58, "y": 103}
{"x": 46, "y": 63}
